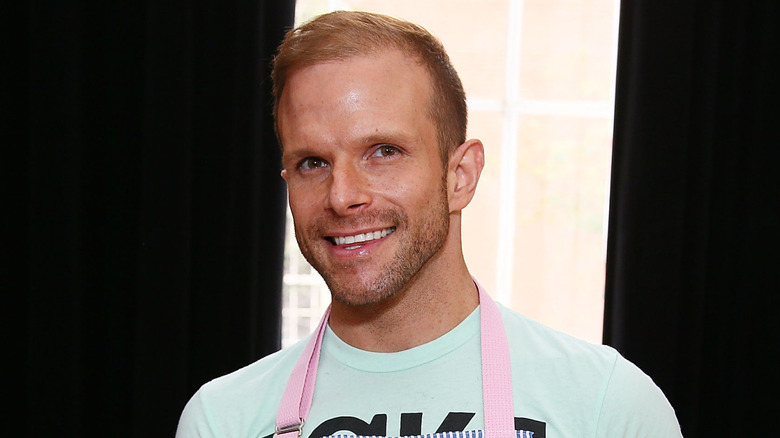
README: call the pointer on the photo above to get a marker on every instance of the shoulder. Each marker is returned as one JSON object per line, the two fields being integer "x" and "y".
{"x": 587, "y": 380}
{"x": 553, "y": 364}
{"x": 540, "y": 342}
{"x": 241, "y": 402}
{"x": 633, "y": 405}
{"x": 260, "y": 374}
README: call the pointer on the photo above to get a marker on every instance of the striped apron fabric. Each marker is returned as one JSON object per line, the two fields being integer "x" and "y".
{"x": 496, "y": 383}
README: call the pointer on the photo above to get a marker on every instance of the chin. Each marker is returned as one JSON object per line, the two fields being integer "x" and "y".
{"x": 355, "y": 295}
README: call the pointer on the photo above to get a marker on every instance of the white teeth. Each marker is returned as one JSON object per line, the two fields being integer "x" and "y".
{"x": 358, "y": 238}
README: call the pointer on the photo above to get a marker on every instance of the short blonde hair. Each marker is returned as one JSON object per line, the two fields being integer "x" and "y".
{"x": 341, "y": 35}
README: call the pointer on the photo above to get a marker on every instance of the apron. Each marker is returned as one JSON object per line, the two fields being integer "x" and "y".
{"x": 496, "y": 382}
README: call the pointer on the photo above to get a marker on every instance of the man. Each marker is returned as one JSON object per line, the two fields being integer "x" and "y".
{"x": 372, "y": 121}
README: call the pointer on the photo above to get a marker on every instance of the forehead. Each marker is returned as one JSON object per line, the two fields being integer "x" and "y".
{"x": 390, "y": 63}
{"x": 385, "y": 87}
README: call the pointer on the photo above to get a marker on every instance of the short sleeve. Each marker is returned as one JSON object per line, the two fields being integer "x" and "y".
{"x": 193, "y": 422}
{"x": 634, "y": 406}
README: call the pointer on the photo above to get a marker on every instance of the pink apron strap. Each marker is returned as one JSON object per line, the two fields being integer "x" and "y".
{"x": 496, "y": 377}
{"x": 497, "y": 400}
{"x": 297, "y": 397}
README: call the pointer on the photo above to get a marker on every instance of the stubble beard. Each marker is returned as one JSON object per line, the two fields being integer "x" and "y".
{"x": 418, "y": 243}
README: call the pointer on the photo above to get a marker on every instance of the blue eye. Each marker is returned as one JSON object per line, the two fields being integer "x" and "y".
{"x": 312, "y": 163}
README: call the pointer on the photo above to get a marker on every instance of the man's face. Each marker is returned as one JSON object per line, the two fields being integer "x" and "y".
{"x": 366, "y": 183}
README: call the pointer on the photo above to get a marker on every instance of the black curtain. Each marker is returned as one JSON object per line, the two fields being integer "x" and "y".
{"x": 693, "y": 253}
{"x": 145, "y": 207}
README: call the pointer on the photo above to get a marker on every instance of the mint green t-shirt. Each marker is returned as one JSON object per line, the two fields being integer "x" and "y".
{"x": 562, "y": 387}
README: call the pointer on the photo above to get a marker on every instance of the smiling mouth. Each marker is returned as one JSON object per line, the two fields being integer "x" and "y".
{"x": 361, "y": 237}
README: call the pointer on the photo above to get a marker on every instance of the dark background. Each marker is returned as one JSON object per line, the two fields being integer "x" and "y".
{"x": 693, "y": 260}
{"x": 144, "y": 213}
{"x": 146, "y": 179}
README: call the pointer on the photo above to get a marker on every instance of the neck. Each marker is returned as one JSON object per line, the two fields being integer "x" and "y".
{"x": 434, "y": 301}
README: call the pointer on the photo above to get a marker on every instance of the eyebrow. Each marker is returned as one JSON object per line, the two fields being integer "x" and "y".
{"x": 294, "y": 157}
{"x": 394, "y": 137}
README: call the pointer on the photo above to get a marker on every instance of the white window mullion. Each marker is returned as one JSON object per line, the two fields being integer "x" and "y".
{"x": 508, "y": 176}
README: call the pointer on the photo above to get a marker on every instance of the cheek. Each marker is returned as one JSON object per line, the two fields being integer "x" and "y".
{"x": 420, "y": 190}
{"x": 302, "y": 202}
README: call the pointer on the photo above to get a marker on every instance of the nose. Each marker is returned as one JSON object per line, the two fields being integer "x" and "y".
{"x": 349, "y": 191}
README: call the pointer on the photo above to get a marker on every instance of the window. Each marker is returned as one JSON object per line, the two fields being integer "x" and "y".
{"x": 539, "y": 76}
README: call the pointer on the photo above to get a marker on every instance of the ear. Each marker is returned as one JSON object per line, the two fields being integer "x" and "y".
{"x": 284, "y": 174}
{"x": 463, "y": 171}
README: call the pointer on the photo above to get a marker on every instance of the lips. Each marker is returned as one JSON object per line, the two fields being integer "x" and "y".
{"x": 361, "y": 237}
